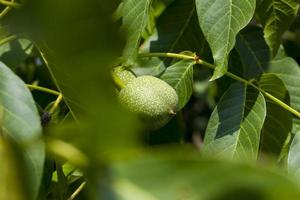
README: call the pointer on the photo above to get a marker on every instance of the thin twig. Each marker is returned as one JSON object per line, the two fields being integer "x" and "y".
{"x": 229, "y": 74}
{"x": 43, "y": 89}
{"x": 6, "y": 10}
{"x": 56, "y": 103}
{"x": 10, "y": 4}
{"x": 77, "y": 191}
{"x": 8, "y": 39}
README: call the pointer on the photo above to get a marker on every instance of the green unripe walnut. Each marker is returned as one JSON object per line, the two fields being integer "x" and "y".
{"x": 122, "y": 76}
{"x": 151, "y": 98}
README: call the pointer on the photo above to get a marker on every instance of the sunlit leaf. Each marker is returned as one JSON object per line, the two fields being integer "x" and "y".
{"x": 220, "y": 21}
{"x": 135, "y": 14}
{"x": 180, "y": 77}
{"x": 294, "y": 156}
{"x": 148, "y": 66}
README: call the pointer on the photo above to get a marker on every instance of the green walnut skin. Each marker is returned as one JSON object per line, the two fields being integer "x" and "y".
{"x": 122, "y": 76}
{"x": 152, "y": 99}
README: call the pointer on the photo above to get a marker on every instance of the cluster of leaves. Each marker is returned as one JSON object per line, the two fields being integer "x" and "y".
{"x": 63, "y": 135}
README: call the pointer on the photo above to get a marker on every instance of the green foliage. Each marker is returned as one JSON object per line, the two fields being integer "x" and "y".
{"x": 180, "y": 77}
{"x": 20, "y": 121}
{"x": 276, "y": 17}
{"x": 220, "y": 22}
{"x": 293, "y": 157}
{"x": 189, "y": 178}
{"x": 235, "y": 124}
{"x": 134, "y": 14}
{"x": 89, "y": 90}
{"x": 178, "y": 31}
{"x": 253, "y": 52}
{"x": 278, "y": 122}
{"x": 288, "y": 71}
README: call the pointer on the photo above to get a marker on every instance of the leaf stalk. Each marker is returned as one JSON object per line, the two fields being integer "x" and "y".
{"x": 229, "y": 74}
{"x": 43, "y": 89}
{"x": 10, "y": 3}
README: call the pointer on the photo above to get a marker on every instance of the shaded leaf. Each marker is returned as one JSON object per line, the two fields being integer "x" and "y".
{"x": 276, "y": 16}
{"x": 253, "y": 52}
{"x": 278, "y": 123}
{"x": 180, "y": 77}
{"x": 22, "y": 123}
{"x": 178, "y": 29}
{"x": 171, "y": 133}
{"x": 14, "y": 53}
{"x": 220, "y": 21}
{"x": 235, "y": 125}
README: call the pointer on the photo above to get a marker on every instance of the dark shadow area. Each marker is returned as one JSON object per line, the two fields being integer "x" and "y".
{"x": 178, "y": 30}
{"x": 240, "y": 193}
{"x": 171, "y": 133}
{"x": 251, "y": 55}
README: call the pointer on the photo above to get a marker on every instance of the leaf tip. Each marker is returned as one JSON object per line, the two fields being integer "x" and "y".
{"x": 218, "y": 73}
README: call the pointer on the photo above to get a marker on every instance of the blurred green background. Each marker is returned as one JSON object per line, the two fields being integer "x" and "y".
{"x": 92, "y": 144}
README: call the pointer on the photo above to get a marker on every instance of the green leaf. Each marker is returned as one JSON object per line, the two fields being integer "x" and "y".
{"x": 135, "y": 15}
{"x": 287, "y": 69}
{"x": 278, "y": 123}
{"x": 183, "y": 177}
{"x": 22, "y": 123}
{"x": 176, "y": 32}
{"x": 148, "y": 66}
{"x": 253, "y": 52}
{"x": 180, "y": 77}
{"x": 276, "y": 16}
{"x": 220, "y": 21}
{"x": 294, "y": 156}
{"x": 235, "y": 125}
